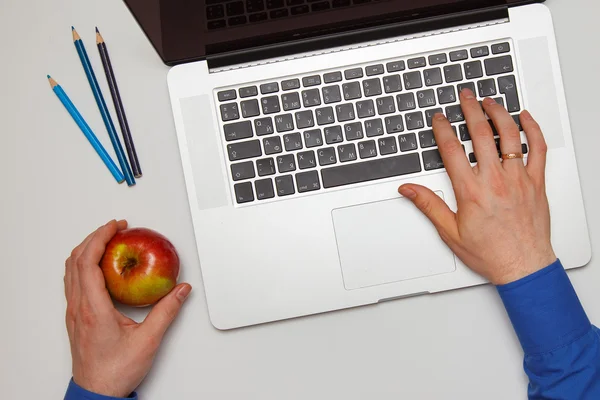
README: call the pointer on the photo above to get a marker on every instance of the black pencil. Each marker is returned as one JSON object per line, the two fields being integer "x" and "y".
{"x": 116, "y": 96}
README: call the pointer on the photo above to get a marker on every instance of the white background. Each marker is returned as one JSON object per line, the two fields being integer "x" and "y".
{"x": 54, "y": 190}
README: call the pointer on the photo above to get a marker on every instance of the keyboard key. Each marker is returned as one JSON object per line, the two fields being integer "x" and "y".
{"x": 235, "y": 8}
{"x": 453, "y": 73}
{"x": 459, "y": 55}
{"x": 262, "y": 16}
{"x": 427, "y": 139}
{"x": 331, "y": 94}
{"x": 365, "y": 109}
{"x": 472, "y": 158}
{"x": 313, "y": 80}
{"x": 292, "y": 141}
{"x": 432, "y": 76}
{"x": 248, "y": 91}
{"x": 243, "y": 192}
{"x": 407, "y": 142}
{"x": 243, "y": 150}
{"x": 284, "y": 185}
{"x": 414, "y": 121}
{"x": 508, "y": 87}
{"x": 272, "y": 4}
{"x": 345, "y": 112}
{"x": 463, "y": 133}
{"x": 517, "y": 120}
{"x": 325, "y": 115}
{"x": 446, "y": 94}
{"x": 307, "y": 181}
{"x": 374, "y": 127}
{"x": 215, "y": 12}
{"x": 327, "y": 156}
{"x": 372, "y": 87}
{"x": 331, "y": 77}
{"x": 305, "y": 119}
{"x": 412, "y": 80}
{"x": 216, "y": 24}
{"x": 416, "y": 62}
{"x": 229, "y": 112}
{"x": 313, "y": 138}
{"x": 254, "y": 5}
{"x": 432, "y": 160}
{"x": 306, "y": 159}
{"x": 263, "y": 126}
{"x": 395, "y": 66}
{"x": 351, "y": 90}
{"x": 353, "y": 131}
{"x": 226, "y": 95}
{"x": 394, "y": 124}
{"x": 406, "y": 101}
{"x": 347, "y": 152}
{"x": 498, "y": 65}
{"x": 426, "y": 98}
{"x": 500, "y": 48}
{"x": 250, "y": 108}
{"x": 284, "y": 123}
{"x": 367, "y": 149}
{"x": 353, "y": 73}
{"x": 237, "y": 130}
{"x": 290, "y": 84}
{"x": 239, "y": 20}
{"x": 387, "y": 145}
{"x": 270, "y": 104}
{"x": 267, "y": 88}
{"x": 272, "y": 145}
{"x": 487, "y": 87}
{"x": 480, "y": 51}
{"x": 286, "y": 163}
{"x": 454, "y": 113}
{"x": 282, "y": 12}
{"x": 333, "y": 134}
{"x": 311, "y": 98}
{"x": 371, "y": 170}
{"x": 524, "y": 148}
{"x": 243, "y": 170}
{"x": 290, "y": 101}
{"x": 374, "y": 70}
{"x": 467, "y": 85}
{"x": 385, "y": 105}
{"x": 303, "y": 9}
{"x": 264, "y": 189}
{"x": 437, "y": 59}
{"x": 430, "y": 113}
{"x": 324, "y": 5}
{"x": 265, "y": 167}
{"x": 392, "y": 83}
{"x": 500, "y": 100}
{"x": 473, "y": 70}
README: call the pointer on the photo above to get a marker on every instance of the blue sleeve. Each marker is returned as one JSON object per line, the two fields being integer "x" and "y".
{"x": 76, "y": 392}
{"x": 562, "y": 348}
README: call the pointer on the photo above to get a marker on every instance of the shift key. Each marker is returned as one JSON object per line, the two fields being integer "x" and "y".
{"x": 243, "y": 150}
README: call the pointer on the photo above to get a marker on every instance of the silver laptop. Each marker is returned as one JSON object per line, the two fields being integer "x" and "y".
{"x": 297, "y": 120}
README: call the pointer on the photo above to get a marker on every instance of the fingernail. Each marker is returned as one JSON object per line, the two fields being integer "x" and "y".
{"x": 526, "y": 115}
{"x": 407, "y": 192}
{"x": 183, "y": 292}
{"x": 439, "y": 116}
{"x": 489, "y": 101}
{"x": 467, "y": 93}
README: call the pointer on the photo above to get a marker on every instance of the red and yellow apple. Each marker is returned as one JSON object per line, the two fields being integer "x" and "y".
{"x": 140, "y": 266}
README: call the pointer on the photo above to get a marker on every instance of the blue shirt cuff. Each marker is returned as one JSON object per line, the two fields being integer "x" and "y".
{"x": 76, "y": 392}
{"x": 544, "y": 310}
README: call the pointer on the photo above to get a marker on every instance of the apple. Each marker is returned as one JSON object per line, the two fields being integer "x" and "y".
{"x": 140, "y": 266}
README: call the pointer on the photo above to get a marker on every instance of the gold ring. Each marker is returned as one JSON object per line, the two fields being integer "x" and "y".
{"x": 512, "y": 156}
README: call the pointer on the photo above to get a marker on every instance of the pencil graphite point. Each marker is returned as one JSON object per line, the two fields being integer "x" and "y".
{"x": 75, "y": 34}
{"x": 52, "y": 82}
{"x": 97, "y": 31}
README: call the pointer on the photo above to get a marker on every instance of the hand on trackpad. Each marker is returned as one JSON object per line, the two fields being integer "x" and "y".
{"x": 388, "y": 241}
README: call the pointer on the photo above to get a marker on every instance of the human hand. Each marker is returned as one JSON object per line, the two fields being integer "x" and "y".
{"x": 111, "y": 353}
{"x": 501, "y": 229}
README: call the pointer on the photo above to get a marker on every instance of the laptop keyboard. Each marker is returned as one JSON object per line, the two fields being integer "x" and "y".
{"x": 358, "y": 124}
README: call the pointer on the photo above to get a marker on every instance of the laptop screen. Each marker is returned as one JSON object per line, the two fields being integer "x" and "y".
{"x": 186, "y": 30}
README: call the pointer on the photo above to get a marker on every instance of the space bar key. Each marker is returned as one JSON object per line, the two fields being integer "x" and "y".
{"x": 371, "y": 170}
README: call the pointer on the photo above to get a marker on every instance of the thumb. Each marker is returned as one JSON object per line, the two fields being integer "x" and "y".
{"x": 433, "y": 207}
{"x": 164, "y": 312}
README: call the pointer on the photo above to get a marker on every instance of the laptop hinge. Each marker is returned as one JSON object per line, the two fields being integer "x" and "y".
{"x": 278, "y": 50}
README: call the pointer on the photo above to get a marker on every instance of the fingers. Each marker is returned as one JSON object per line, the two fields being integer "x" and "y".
{"x": 538, "y": 149}
{"x": 510, "y": 137}
{"x": 434, "y": 208}
{"x": 480, "y": 130}
{"x": 95, "y": 248}
{"x": 164, "y": 312}
{"x": 451, "y": 150}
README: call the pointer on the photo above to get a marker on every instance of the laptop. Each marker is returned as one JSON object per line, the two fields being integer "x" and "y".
{"x": 297, "y": 120}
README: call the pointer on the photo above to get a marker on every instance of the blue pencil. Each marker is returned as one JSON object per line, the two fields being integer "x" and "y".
{"x": 110, "y": 127}
{"x": 87, "y": 131}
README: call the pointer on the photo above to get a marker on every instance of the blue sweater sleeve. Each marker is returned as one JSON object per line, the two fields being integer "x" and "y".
{"x": 562, "y": 348}
{"x": 76, "y": 392}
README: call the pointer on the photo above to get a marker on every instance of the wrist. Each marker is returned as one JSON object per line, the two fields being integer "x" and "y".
{"x": 100, "y": 388}
{"x": 524, "y": 267}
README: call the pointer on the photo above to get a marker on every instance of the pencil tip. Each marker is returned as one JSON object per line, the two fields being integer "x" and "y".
{"x": 72, "y": 28}
{"x": 97, "y": 31}
{"x": 49, "y": 77}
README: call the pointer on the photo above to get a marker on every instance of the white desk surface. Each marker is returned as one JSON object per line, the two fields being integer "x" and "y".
{"x": 54, "y": 190}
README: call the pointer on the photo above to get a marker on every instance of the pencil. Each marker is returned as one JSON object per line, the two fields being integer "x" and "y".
{"x": 110, "y": 127}
{"x": 116, "y": 97}
{"x": 87, "y": 131}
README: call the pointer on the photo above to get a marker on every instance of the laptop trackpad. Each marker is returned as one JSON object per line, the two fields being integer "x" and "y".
{"x": 388, "y": 241}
